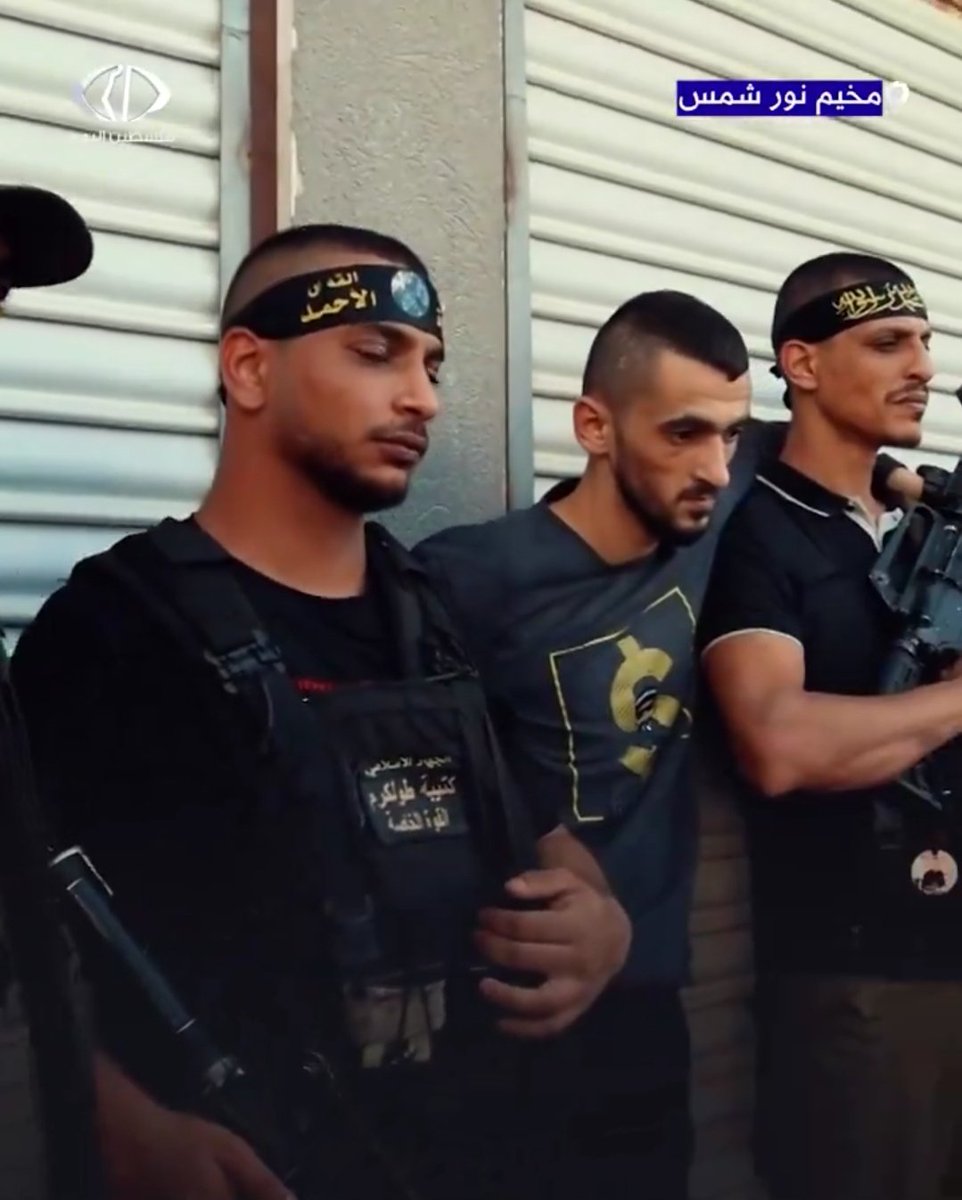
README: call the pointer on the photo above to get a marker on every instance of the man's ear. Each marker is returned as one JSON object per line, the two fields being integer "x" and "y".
{"x": 243, "y": 368}
{"x": 797, "y": 360}
{"x": 592, "y": 425}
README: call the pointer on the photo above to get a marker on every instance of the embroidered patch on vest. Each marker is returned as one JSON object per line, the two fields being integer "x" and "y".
{"x": 411, "y": 798}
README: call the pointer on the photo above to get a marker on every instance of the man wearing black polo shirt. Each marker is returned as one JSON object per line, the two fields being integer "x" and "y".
{"x": 859, "y": 965}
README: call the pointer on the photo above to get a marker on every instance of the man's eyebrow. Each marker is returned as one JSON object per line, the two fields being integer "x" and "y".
{"x": 896, "y": 331}
{"x": 696, "y": 421}
{"x": 400, "y": 339}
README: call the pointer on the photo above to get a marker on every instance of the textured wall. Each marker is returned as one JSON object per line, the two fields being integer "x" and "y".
{"x": 398, "y": 115}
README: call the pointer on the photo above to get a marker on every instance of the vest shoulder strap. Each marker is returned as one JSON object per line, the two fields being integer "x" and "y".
{"x": 421, "y": 618}
{"x": 197, "y": 600}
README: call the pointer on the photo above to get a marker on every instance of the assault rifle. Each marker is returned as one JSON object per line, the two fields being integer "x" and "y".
{"x": 919, "y": 577}
{"x": 225, "y": 1092}
{"x": 39, "y": 946}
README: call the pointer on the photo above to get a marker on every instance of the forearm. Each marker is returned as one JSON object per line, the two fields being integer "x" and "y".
{"x": 561, "y": 848}
{"x": 831, "y": 743}
{"x": 879, "y": 766}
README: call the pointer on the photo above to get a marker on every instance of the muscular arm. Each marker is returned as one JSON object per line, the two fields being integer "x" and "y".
{"x": 786, "y": 738}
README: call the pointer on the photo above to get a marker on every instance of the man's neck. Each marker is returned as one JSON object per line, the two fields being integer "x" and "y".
{"x": 597, "y": 513}
{"x": 841, "y": 464}
{"x": 288, "y": 531}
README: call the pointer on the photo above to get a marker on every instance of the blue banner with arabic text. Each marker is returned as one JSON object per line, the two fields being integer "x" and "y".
{"x": 779, "y": 98}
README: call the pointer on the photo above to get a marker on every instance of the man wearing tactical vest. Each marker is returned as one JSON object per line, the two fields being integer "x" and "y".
{"x": 72, "y": 1126}
{"x": 261, "y": 726}
{"x": 857, "y": 903}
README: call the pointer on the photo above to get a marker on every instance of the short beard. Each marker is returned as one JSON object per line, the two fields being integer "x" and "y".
{"x": 333, "y": 478}
{"x": 354, "y": 494}
{"x": 909, "y": 442}
{"x": 658, "y": 526}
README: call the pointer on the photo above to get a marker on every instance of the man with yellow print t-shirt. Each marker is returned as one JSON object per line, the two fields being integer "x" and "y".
{"x": 581, "y": 612}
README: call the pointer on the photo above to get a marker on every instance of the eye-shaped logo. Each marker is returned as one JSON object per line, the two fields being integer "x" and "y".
{"x": 122, "y": 94}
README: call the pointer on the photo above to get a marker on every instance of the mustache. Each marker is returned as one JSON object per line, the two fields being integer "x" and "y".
{"x": 918, "y": 394}
{"x": 416, "y": 429}
{"x": 699, "y": 491}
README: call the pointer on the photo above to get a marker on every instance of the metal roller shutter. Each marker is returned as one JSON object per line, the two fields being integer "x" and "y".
{"x": 108, "y": 417}
{"x": 624, "y": 197}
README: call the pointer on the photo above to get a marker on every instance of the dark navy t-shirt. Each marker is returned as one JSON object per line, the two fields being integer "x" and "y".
{"x": 592, "y": 672}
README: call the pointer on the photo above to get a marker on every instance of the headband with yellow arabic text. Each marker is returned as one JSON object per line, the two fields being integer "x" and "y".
{"x": 846, "y": 307}
{"x": 361, "y": 294}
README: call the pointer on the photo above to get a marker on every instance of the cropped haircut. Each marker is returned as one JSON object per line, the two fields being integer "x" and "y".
{"x": 275, "y": 258}
{"x": 823, "y": 274}
{"x": 278, "y": 257}
{"x": 827, "y": 273}
{"x": 624, "y": 351}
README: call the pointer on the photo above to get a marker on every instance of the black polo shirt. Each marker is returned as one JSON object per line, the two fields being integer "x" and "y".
{"x": 794, "y": 560}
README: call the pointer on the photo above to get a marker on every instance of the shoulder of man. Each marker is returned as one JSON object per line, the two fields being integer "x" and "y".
{"x": 759, "y": 442}
{"x": 475, "y": 565}
{"x": 759, "y": 523}
{"x": 90, "y": 614}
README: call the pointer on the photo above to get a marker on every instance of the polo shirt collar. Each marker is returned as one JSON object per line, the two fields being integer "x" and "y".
{"x": 799, "y": 489}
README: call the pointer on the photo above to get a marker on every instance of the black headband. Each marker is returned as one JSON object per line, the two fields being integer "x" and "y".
{"x": 360, "y": 294}
{"x": 846, "y": 307}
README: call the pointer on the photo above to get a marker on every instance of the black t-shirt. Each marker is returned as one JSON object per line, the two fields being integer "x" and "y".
{"x": 794, "y": 560}
{"x": 324, "y": 642}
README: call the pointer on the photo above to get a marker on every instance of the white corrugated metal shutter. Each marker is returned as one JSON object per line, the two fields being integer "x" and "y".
{"x": 108, "y": 414}
{"x": 625, "y": 197}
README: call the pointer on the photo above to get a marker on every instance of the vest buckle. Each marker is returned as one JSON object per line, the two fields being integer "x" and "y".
{"x": 245, "y": 662}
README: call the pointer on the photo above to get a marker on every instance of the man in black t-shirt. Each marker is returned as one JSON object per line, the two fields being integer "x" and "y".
{"x": 857, "y": 907}
{"x": 278, "y": 896}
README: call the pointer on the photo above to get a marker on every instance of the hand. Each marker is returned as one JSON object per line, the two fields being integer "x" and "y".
{"x": 151, "y": 1153}
{"x": 186, "y": 1158}
{"x": 578, "y": 943}
{"x": 905, "y": 486}
{"x": 952, "y": 670}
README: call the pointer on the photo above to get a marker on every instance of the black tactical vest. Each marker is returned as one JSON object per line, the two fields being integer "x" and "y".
{"x": 390, "y": 801}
